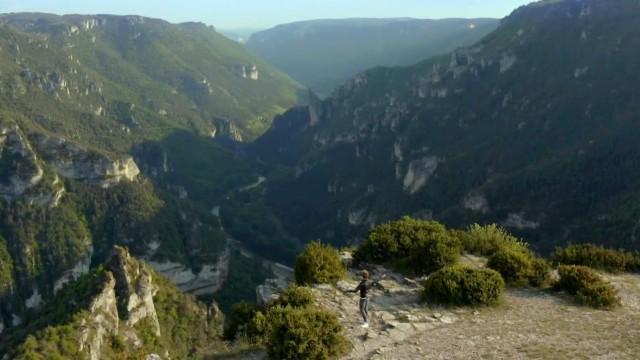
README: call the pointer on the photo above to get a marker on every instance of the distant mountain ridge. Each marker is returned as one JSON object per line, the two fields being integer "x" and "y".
{"x": 531, "y": 128}
{"x": 322, "y": 54}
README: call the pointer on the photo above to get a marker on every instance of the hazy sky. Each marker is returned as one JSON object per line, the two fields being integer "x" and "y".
{"x": 232, "y": 14}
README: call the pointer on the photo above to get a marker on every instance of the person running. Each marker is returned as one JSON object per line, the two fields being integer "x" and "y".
{"x": 363, "y": 288}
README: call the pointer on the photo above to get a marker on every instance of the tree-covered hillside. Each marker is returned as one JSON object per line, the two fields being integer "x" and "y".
{"x": 323, "y": 54}
{"x": 533, "y": 127}
{"x": 108, "y": 129}
{"x": 143, "y": 75}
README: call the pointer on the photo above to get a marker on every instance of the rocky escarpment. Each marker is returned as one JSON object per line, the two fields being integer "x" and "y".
{"x": 207, "y": 281}
{"x": 125, "y": 298}
{"x": 31, "y": 167}
{"x": 20, "y": 167}
{"x": 121, "y": 308}
{"x": 73, "y": 162}
{"x": 135, "y": 289}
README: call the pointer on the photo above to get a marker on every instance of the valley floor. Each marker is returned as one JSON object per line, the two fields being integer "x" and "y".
{"x": 530, "y": 324}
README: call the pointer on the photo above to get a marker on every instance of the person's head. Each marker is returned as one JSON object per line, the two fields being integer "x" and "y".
{"x": 365, "y": 275}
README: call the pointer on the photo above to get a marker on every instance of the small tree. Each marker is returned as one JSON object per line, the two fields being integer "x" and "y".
{"x": 319, "y": 264}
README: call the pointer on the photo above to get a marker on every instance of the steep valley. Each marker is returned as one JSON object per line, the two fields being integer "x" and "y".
{"x": 532, "y": 128}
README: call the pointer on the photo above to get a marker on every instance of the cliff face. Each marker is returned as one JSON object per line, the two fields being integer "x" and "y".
{"x": 31, "y": 166}
{"x": 21, "y": 170}
{"x": 126, "y": 301}
{"x": 72, "y": 162}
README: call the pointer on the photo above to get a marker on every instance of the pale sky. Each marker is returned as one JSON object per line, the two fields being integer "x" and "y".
{"x": 233, "y": 14}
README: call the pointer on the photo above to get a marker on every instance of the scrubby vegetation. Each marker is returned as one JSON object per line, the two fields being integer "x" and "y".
{"x": 597, "y": 257}
{"x": 460, "y": 285}
{"x": 289, "y": 327}
{"x": 245, "y": 274}
{"x": 295, "y": 296}
{"x": 519, "y": 267}
{"x": 301, "y": 333}
{"x": 487, "y": 240}
{"x": 6, "y": 269}
{"x": 588, "y": 287}
{"x": 319, "y": 264}
{"x": 425, "y": 246}
{"x": 239, "y": 321}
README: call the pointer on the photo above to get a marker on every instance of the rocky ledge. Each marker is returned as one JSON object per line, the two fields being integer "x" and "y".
{"x": 529, "y": 324}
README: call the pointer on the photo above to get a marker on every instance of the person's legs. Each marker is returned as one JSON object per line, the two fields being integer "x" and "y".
{"x": 366, "y": 309}
{"x": 364, "y": 303}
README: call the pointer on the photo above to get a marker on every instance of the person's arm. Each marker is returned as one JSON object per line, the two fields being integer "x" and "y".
{"x": 357, "y": 288}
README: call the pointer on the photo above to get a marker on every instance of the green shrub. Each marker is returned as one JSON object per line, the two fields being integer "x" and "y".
{"x": 519, "y": 267}
{"x": 396, "y": 240}
{"x": 240, "y": 320}
{"x": 414, "y": 245}
{"x": 588, "y": 287}
{"x": 597, "y": 257}
{"x": 301, "y": 333}
{"x": 434, "y": 251}
{"x": 319, "y": 264}
{"x": 295, "y": 296}
{"x": 514, "y": 266}
{"x": 460, "y": 285}
{"x": 487, "y": 240}
{"x": 539, "y": 272}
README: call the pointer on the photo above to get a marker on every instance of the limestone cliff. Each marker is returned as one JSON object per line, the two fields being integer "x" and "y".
{"x": 121, "y": 308}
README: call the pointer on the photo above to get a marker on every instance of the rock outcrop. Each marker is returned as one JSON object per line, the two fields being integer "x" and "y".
{"x": 24, "y": 160}
{"x": 73, "y": 162}
{"x": 226, "y": 129}
{"x": 112, "y": 311}
{"x": 20, "y": 169}
{"x": 125, "y": 297}
{"x": 205, "y": 282}
{"x": 134, "y": 288}
{"x": 103, "y": 319}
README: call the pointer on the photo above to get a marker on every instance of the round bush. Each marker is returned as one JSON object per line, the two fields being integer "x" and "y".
{"x": 434, "y": 251}
{"x": 587, "y": 286}
{"x": 301, "y": 333}
{"x": 295, "y": 296}
{"x": 460, "y": 285}
{"x": 319, "y": 264}
{"x": 514, "y": 266}
{"x": 396, "y": 240}
{"x": 519, "y": 267}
